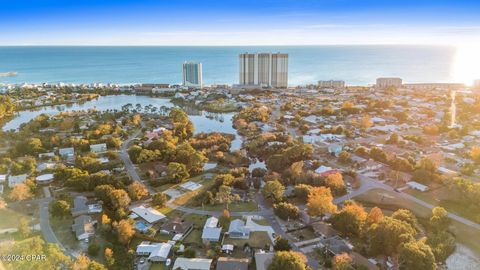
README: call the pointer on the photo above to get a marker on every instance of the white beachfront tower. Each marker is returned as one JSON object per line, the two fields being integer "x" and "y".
{"x": 192, "y": 74}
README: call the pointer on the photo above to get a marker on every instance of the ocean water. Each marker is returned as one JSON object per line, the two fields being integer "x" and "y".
{"x": 357, "y": 65}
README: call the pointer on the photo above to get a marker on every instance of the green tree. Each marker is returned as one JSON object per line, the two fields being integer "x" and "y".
{"x": 177, "y": 172}
{"x": 281, "y": 244}
{"x": 273, "y": 190}
{"x": 60, "y": 208}
{"x": 416, "y": 255}
{"x": 159, "y": 199}
{"x": 439, "y": 220}
{"x": 388, "y": 235}
{"x": 286, "y": 210}
{"x": 288, "y": 260}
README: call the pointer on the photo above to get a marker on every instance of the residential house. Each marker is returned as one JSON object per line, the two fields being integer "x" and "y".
{"x": 3, "y": 178}
{"x": 98, "y": 148}
{"x": 46, "y": 166}
{"x": 156, "y": 252}
{"x": 14, "y": 180}
{"x": 226, "y": 263}
{"x": 149, "y": 214}
{"x": 83, "y": 227}
{"x": 176, "y": 226}
{"x": 67, "y": 153}
{"x": 79, "y": 206}
{"x": 237, "y": 229}
{"x": 44, "y": 178}
{"x": 192, "y": 264}
{"x": 211, "y": 233}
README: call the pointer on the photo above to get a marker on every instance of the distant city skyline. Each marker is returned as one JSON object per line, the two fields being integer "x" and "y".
{"x": 282, "y": 22}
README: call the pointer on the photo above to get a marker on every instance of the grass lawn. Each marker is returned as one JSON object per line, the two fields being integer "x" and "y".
{"x": 10, "y": 218}
{"x": 194, "y": 237}
{"x": 63, "y": 231}
{"x": 439, "y": 197}
{"x": 189, "y": 197}
{"x": 262, "y": 222}
{"x": 196, "y": 219}
{"x": 169, "y": 212}
{"x": 389, "y": 201}
{"x": 158, "y": 266}
{"x": 303, "y": 234}
{"x": 256, "y": 240}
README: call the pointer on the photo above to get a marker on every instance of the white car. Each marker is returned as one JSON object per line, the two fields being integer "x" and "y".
{"x": 168, "y": 262}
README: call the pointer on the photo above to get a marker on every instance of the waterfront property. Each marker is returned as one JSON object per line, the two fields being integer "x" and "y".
{"x": 264, "y": 69}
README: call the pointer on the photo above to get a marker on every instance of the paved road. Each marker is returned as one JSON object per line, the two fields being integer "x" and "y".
{"x": 368, "y": 183}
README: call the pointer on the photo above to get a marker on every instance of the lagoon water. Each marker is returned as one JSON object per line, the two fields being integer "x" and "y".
{"x": 357, "y": 65}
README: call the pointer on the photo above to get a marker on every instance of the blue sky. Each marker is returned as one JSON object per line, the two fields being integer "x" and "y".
{"x": 280, "y": 22}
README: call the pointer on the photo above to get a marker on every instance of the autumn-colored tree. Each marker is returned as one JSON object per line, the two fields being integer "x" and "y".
{"x": 20, "y": 192}
{"x": 342, "y": 262}
{"x": 224, "y": 219}
{"x": 24, "y": 228}
{"x": 475, "y": 153}
{"x": 137, "y": 191}
{"x": 375, "y": 216}
{"x": 108, "y": 255}
{"x": 125, "y": 230}
{"x": 366, "y": 122}
{"x": 336, "y": 184}
{"x": 349, "y": 221}
{"x": 119, "y": 198}
{"x": 320, "y": 202}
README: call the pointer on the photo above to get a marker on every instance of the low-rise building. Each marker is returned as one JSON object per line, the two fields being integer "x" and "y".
{"x": 83, "y": 227}
{"x": 149, "y": 214}
{"x": 211, "y": 233}
{"x": 98, "y": 148}
{"x": 156, "y": 252}
{"x": 14, "y": 180}
{"x": 192, "y": 264}
{"x": 226, "y": 263}
{"x": 388, "y": 82}
{"x": 237, "y": 229}
{"x": 66, "y": 152}
{"x": 80, "y": 206}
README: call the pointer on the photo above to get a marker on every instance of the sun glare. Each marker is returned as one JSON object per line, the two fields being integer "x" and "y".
{"x": 466, "y": 67}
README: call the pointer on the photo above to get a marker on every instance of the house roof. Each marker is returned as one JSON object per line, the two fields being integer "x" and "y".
{"x": 225, "y": 263}
{"x": 16, "y": 179}
{"x": 194, "y": 263}
{"x": 154, "y": 249}
{"x": 149, "y": 214}
{"x": 211, "y": 233}
{"x": 176, "y": 225}
{"x": 79, "y": 204}
{"x": 237, "y": 225}
{"x": 83, "y": 224}
{"x": 211, "y": 222}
